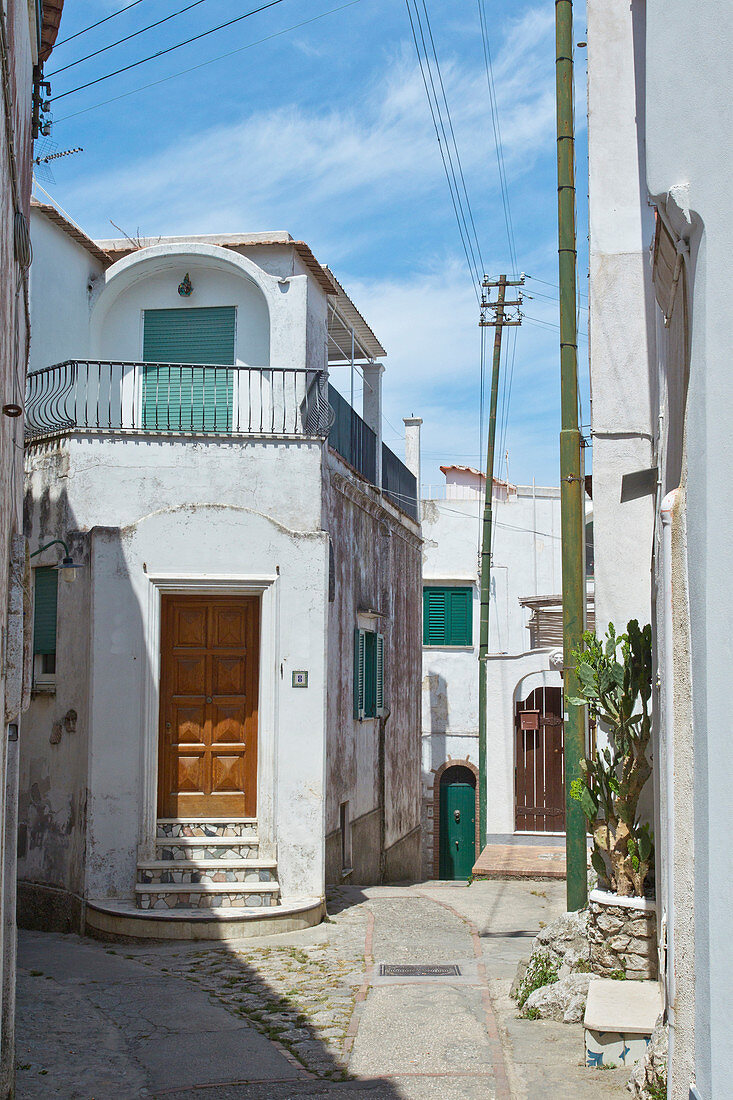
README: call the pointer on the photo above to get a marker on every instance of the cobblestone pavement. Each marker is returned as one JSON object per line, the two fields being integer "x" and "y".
{"x": 309, "y": 1013}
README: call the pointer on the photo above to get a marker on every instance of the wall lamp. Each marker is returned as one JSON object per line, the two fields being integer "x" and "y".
{"x": 67, "y": 566}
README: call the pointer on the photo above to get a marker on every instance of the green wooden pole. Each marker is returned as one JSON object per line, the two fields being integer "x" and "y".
{"x": 571, "y": 479}
{"x": 483, "y": 648}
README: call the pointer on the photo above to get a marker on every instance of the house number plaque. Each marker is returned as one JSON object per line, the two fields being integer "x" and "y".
{"x": 300, "y": 679}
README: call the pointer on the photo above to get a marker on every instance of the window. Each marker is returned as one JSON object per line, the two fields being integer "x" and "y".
{"x": 188, "y": 397}
{"x": 45, "y": 599}
{"x": 368, "y": 675}
{"x": 447, "y": 616}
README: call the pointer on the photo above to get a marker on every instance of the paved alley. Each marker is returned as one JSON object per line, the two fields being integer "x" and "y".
{"x": 308, "y": 1014}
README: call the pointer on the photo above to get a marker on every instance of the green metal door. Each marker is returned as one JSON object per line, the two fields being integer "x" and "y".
{"x": 457, "y": 830}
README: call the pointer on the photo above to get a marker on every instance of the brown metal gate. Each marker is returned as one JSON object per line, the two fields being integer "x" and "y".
{"x": 539, "y": 763}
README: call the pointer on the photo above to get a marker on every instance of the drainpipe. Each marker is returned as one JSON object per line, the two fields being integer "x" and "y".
{"x": 667, "y": 779}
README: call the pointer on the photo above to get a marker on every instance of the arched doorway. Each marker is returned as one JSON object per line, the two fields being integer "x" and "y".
{"x": 539, "y": 763}
{"x": 457, "y": 822}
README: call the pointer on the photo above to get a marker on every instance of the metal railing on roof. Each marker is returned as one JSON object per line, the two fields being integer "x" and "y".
{"x": 176, "y": 397}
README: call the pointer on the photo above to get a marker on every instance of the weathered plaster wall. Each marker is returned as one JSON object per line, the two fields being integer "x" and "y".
{"x": 689, "y": 152}
{"x": 376, "y": 558}
{"x": 249, "y": 511}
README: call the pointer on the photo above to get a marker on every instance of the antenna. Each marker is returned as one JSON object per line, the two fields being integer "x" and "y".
{"x": 49, "y": 151}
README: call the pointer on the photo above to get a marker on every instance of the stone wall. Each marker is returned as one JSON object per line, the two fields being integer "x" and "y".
{"x": 623, "y": 936}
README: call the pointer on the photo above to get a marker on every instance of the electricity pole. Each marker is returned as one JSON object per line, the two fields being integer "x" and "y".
{"x": 499, "y": 321}
{"x": 571, "y": 477}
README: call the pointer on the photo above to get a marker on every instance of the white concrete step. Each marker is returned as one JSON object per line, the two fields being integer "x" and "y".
{"x": 619, "y": 1020}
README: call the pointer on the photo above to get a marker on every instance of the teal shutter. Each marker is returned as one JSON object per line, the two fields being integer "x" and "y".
{"x": 45, "y": 608}
{"x": 447, "y": 616}
{"x": 188, "y": 397}
{"x": 379, "y": 691}
{"x": 359, "y": 668}
{"x": 370, "y": 674}
{"x": 434, "y": 616}
{"x": 458, "y": 607}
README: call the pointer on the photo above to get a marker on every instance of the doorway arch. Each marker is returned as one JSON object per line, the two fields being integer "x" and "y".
{"x": 455, "y": 789}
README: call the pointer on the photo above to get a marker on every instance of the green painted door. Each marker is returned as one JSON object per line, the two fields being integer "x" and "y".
{"x": 457, "y": 830}
{"x": 188, "y": 397}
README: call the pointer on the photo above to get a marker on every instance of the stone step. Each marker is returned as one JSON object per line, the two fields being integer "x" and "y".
{"x": 193, "y": 871}
{"x": 213, "y": 827}
{"x": 196, "y": 847}
{"x": 206, "y": 895}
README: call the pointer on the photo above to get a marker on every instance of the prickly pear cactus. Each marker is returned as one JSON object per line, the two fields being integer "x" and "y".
{"x": 616, "y": 685}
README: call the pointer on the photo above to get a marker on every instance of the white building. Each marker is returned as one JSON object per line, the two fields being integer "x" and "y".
{"x": 524, "y": 765}
{"x": 225, "y": 705}
{"x": 661, "y": 271}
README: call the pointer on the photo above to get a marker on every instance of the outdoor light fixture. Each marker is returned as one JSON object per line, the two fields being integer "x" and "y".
{"x": 67, "y": 567}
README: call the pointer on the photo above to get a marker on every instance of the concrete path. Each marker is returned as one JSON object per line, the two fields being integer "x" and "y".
{"x": 306, "y": 1014}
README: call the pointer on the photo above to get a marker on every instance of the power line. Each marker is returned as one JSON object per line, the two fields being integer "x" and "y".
{"x": 97, "y": 24}
{"x": 211, "y": 61}
{"x": 170, "y": 49}
{"x": 535, "y": 279}
{"x": 127, "y": 38}
{"x": 435, "y": 114}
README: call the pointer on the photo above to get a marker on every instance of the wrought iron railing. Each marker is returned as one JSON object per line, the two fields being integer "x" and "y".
{"x": 352, "y": 437}
{"x": 177, "y": 397}
{"x": 399, "y": 483}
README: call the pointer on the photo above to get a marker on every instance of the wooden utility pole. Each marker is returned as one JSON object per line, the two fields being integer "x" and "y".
{"x": 571, "y": 476}
{"x": 499, "y": 321}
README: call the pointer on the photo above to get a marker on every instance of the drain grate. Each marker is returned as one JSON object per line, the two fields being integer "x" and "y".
{"x": 418, "y": 970}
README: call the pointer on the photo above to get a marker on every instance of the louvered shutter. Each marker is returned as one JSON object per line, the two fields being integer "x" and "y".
{"x": 188, "y": 397}
{"x": 45, "y": 608}
{"x": 359, "y": 663}
{"x": 459, "y": 625}
{"x": 434, "y": 616}
{"x": 379, "y": 689}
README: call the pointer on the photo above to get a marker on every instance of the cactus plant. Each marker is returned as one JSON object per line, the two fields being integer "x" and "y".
{"x": 616, "y": 685}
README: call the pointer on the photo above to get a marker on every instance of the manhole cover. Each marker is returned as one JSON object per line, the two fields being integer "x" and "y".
{"x": 418, "y": 970}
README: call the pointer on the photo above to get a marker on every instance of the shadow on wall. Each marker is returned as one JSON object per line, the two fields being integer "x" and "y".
{"x": 55, "y": 818}
{"x": 439, "y": 711}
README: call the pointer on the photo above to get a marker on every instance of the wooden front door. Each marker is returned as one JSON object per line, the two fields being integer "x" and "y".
{"x": 457, "y": 829}
{"x": 208, "y": 706}
{"x": 539, "y": 765}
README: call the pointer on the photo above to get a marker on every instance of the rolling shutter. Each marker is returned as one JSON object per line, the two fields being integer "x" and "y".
{"x": 447, "y": 616}
{"x": 45, "y": 608}
{"x": 188, "y": 397}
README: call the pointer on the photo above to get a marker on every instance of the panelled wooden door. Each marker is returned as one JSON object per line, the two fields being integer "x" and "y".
{"x": 208, "y": 706}
{"x": 539, "y": 764}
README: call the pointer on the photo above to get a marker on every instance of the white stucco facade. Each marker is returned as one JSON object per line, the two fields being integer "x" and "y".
{"x": 274, "y": 514}
{"x": 525, "y": 562}
{"x": 661, "y": 273}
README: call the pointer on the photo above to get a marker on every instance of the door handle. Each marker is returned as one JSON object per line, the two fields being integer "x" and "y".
{"x": 456, "y": 844}
{"x": 457, "y": 815}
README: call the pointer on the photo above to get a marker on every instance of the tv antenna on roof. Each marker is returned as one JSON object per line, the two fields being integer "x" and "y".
{"x": 49, "y": 151}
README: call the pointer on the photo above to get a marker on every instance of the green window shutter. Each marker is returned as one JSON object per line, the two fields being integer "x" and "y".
{"x": 45, "y": 607}
{"x": 370, "y": 674}
{"x": 459, "y": 608}
{"x": 188, "y": 397}
{"x": 379, "y": 693}
{"x": 434, "y": 616}
{"x": 447, "y": 616}
{"x": 359, "y": 669}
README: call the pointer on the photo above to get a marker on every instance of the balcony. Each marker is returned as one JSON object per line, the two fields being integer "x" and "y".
{"x": 182, "y": 398}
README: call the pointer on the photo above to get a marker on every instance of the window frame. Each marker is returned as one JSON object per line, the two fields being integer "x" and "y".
{"x": 40, "y": 653}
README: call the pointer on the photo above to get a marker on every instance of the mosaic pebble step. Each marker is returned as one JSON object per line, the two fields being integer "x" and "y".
{"x": 206, "y": 895}
{"x": 191, "y": 848}
{"x": 214, "y": 827}
{"x": 222, "y": 870}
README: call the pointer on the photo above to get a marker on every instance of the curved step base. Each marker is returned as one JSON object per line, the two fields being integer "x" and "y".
{"x": 121, "y": 920}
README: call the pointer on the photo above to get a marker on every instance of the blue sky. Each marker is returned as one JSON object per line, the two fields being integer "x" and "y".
{"x": 325, "y": 131}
